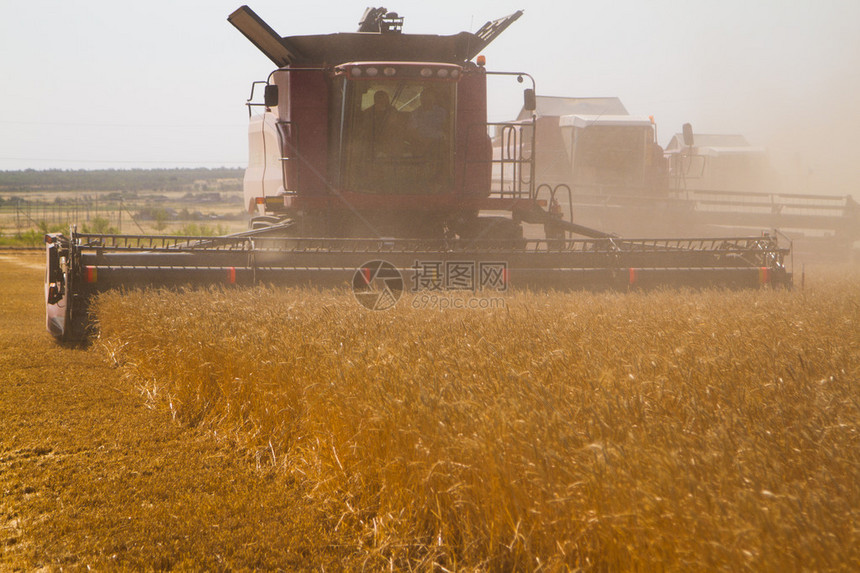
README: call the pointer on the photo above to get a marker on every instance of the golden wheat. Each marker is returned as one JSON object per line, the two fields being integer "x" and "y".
{"x": 663, "y": 430}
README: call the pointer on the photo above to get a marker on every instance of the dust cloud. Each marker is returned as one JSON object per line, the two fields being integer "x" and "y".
{"x": 818, "y": 154}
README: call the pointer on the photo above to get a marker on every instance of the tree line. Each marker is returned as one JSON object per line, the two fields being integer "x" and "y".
{"x": 113, "y": 179}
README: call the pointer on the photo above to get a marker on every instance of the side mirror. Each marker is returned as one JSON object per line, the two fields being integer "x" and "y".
{"x": 270, "y": 95}
{"x": 529, "y": 100}
{"x": 688, "y": 134}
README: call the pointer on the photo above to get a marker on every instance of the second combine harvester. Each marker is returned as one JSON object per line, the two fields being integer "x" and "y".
{"x": 375, "y": 146}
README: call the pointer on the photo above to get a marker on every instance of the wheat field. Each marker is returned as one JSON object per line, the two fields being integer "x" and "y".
{"x": 692, "y": 430}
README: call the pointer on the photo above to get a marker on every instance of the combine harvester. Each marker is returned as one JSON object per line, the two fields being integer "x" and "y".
{"x": 616, "y": 176}
{"x": 375, "y": 147}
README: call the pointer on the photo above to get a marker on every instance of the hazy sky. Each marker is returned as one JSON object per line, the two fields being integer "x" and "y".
{"x": 114, "y": 84}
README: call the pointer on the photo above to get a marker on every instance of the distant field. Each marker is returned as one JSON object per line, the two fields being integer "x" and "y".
{"x": 664, "y": 430}
{"x": 181, "y": 201}
{"x": 185, "y": 212}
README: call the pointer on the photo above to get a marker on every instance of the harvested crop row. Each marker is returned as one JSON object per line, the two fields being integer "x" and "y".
{"x": 691, "y": 430}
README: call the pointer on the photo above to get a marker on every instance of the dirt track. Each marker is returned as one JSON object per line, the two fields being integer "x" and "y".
{"x": 91, "y": 477}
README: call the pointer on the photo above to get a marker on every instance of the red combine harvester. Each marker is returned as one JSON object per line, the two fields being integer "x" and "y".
{"x": 374, "y": 147}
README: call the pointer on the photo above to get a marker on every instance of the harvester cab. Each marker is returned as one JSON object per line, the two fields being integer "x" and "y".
{"x": 377, "y": 133}
{"x": 613, "y": 155}
{"x": 372, "y": 150}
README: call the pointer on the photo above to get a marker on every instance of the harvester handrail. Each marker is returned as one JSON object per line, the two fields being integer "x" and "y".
{"x": 511, "y": 151}
{"x": 295, "y": 147}
{"x": 511, "y": 155}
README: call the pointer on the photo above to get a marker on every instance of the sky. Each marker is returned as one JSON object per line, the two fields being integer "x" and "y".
{"x": 111, "y": 84}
